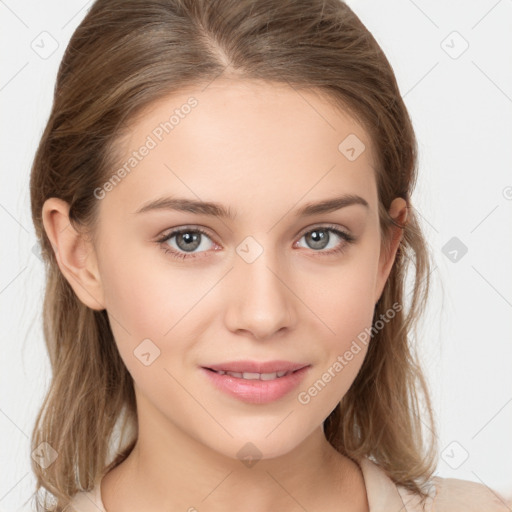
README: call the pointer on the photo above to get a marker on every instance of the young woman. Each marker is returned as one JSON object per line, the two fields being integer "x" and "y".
{"x": 223, "y": 198}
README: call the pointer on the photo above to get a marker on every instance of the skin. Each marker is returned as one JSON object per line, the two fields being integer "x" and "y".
{"x": 263, "y": 150}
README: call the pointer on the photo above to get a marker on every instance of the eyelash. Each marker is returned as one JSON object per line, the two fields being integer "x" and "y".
{"x": 349, "y": 239}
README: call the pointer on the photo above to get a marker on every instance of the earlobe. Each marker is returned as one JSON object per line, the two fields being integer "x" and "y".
{"x": 398, "y": 211}
{"x": 75, "y": 256}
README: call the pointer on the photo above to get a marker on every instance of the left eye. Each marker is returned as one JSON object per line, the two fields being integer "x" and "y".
{"x": 188, "y": 240}
{"x": 319, "y": 238}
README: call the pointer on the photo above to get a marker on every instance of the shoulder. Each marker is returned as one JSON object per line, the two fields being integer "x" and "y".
{"x": 456, "y": 495}
{"x": 444, "y": 494}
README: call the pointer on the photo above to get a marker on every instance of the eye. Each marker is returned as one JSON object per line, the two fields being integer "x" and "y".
{"x": 320, "y": 238}
{"x": 187, "y": 240}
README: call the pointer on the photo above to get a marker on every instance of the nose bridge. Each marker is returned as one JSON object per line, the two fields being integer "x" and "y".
{"x": 260, "y": 302}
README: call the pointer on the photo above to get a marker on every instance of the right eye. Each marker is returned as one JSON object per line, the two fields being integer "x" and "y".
{"x": 187, "y": 240}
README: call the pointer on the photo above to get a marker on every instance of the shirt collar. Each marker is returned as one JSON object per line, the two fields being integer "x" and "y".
{"x": 382, "y": 492}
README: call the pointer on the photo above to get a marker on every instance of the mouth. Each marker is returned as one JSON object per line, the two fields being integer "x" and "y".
{"x": 274, "y": 380}
{"x": 255, "y": 375}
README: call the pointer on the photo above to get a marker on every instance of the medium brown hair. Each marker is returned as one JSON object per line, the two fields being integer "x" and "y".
{"x": 124, "y": 56}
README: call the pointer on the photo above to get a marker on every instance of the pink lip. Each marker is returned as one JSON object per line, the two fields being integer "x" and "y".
{"x": 257, "y": 367}
{"x": 257, "y": 391}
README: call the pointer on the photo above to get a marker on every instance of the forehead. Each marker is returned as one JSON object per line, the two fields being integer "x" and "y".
{"x": 241, "y": 142}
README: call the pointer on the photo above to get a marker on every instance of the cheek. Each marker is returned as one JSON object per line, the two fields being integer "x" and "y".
{"x": 343, "y": 297}
{"x": 156, "y": 311}
{"x": 346, "y": 314}
{"x": 344, "y": 308}
{"x": 147, "y": 295}
{"x": 148, "y": 317}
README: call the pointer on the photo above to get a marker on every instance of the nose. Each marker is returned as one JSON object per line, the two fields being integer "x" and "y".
{"x": 261, "y": 302}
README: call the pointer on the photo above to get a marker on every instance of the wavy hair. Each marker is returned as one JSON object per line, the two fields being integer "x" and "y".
{"x": 127, "y": 54}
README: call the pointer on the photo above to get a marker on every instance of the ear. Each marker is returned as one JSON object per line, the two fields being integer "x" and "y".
{"x": 397, "y": 210}
{"x": 75, "y": 256}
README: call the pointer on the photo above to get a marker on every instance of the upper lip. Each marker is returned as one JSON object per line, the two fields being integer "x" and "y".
{"x": 257, "y": 367}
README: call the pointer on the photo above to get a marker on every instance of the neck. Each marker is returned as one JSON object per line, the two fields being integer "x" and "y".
{"x": 170, "y": 470}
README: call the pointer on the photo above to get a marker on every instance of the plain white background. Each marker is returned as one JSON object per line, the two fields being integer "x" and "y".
{"x": 453, "y": 65}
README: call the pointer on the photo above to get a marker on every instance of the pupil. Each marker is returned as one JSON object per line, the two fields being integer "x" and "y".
{"x": 190, "y": 240}
{"x": 319, "y": 238}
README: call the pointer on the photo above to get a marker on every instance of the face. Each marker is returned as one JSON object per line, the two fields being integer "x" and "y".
{"x": 273, "y": 280}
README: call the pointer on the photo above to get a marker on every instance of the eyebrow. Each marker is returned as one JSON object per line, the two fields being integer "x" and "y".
{"x": 218, "y": 210}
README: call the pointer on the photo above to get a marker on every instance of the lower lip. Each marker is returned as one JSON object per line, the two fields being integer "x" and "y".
{"x": 257, "y": 391}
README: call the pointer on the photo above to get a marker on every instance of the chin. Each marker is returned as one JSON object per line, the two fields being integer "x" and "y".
{"x": 261, "y": 446}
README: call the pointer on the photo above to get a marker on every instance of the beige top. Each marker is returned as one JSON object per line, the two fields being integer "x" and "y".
{"x": 446, "y": 495}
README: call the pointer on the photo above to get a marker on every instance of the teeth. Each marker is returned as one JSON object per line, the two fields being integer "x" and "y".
{"x": 255, "y": 376}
